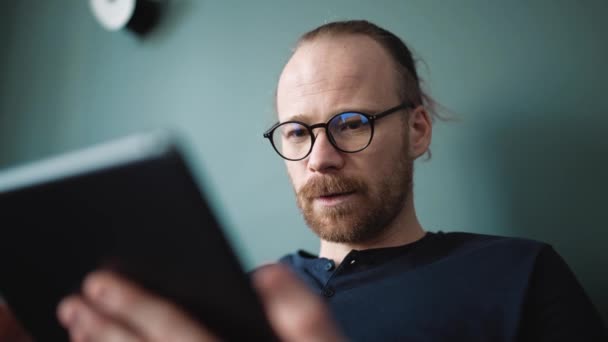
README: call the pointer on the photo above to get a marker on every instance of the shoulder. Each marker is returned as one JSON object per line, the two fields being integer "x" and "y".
{"x": 462, "y": 243}
{"x": 556, "y": 305}
{"x": 287, "y": 259}
{"x": 483, "y": 255}
{"x": 481, "y": 240}
{"x": 297, "y": 258}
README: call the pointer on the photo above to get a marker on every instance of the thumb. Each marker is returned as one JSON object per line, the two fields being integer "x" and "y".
{"x": 10, "y": 329}
{"x": 295, "y": 313}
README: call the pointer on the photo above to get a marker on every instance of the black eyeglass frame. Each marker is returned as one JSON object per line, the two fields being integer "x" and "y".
{"x": 371, "y": 118}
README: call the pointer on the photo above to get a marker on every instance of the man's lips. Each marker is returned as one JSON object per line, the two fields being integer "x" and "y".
{"x": 337, "y": 194}
{"x": 333, "y": 198}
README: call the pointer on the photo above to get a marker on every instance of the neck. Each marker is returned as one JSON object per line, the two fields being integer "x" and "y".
{"x": 404, "y": 229}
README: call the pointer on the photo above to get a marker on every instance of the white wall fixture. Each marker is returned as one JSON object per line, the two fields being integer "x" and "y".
{"x": 139, "y": 16}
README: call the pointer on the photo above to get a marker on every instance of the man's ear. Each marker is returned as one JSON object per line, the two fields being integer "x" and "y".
{"x": 420, "y": 128}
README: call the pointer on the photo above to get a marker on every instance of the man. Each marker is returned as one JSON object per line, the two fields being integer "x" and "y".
{"x": 352, "y": 119}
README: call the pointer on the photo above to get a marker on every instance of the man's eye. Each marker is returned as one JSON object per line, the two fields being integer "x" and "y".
{"x": 351, "y": 124}
{"x": 294, "y": 133}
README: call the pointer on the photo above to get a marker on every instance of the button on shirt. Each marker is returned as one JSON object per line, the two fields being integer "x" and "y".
{"x": 453, "y": 287}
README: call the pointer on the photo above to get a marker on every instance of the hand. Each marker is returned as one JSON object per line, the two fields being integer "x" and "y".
{"x": 114, "y": 309}
{"x": 10, "y": 329}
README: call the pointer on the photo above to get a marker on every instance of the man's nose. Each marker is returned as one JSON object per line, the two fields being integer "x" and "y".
{"x": 324, "y": 156}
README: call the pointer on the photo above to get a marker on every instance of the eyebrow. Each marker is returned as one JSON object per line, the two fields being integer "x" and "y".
{"x": 297, "y": 117}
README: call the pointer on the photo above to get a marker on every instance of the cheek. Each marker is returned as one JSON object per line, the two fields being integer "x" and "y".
{"x": 297, "y": 173}
{"x": 382, "y": 156}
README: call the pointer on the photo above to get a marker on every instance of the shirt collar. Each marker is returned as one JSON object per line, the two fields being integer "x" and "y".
{"x": 369, "y": 257}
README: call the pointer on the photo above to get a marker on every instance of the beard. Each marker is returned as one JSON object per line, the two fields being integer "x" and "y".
{"x": 367, "y": 214}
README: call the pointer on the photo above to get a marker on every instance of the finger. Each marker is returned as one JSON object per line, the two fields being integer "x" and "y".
{"x": 85, "y": 324}
{"x": 153, "y": 318}
{"x": 295, "y": 313}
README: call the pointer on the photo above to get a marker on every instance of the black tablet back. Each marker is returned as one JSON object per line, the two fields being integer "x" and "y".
{"x": 131, "y": 206}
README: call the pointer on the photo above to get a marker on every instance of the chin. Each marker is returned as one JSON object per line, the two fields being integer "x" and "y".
{"x": 345, "y": 230}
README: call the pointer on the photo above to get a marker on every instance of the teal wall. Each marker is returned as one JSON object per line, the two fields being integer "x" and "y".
{"x": 527, "y": 80}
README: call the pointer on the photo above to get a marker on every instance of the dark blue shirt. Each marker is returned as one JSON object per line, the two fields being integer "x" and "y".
{"x": 454, "y": 287}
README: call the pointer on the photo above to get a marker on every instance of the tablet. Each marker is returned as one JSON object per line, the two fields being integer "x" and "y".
{"x": 132, "y": 206}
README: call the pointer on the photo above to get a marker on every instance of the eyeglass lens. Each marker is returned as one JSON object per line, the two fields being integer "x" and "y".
{"x": 349, "y": 131}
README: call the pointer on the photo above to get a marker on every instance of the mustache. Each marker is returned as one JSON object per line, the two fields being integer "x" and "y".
{"x": 331, "y": 185}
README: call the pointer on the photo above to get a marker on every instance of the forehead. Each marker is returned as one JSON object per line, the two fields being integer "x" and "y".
{"x": 332, "y": 74}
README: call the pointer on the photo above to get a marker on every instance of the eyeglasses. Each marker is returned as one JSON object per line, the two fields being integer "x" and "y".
{"x": 348, "y": 132}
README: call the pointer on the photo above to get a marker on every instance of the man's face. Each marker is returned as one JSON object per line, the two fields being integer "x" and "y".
{"x": 346, "y": 197}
